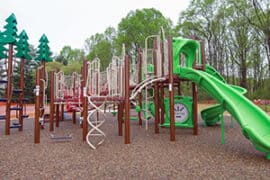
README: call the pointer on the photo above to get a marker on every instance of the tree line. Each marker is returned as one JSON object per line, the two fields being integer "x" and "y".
{"x": 236, "y": 35}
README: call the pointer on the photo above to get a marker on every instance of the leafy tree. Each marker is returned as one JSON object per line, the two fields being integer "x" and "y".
{"x": 72, "y": 67}
{"x": 68, "y": 55}
{"x": 137, "y": 25}
{"x": 101, "y": 46}
{"x": 54, "y": 66}
{"x": 258, "y": 17}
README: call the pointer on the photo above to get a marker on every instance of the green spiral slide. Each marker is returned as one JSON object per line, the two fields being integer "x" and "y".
{"x": 255, "y": 123}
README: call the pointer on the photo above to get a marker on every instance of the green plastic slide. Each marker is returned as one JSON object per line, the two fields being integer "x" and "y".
{"x": 212, "y": 114}
{"x": 255, "y": 123}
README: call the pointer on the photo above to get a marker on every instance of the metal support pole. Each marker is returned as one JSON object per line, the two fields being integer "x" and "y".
{"x": 127, "y": 101}
{"x": 85, "y": 101}
{"x": 171, "y": 90}
{"x": 8, "y": 91}
{"x": 37, "y": 109}
{"x": 195, "y": 108}
{"x": 120, "y": 119}
{"x": 21, "y": 94}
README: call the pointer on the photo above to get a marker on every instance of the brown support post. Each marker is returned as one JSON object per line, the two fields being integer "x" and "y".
{"x": 120, "y": 118}
{"x": 171, "y": 90}
{"x": 74, "y": 116}
{"x": 162, "y": 108}
{"x": 8, "y": 91}
{"x": 85, "y": 101}
{"x": 21, "y": 94}
{"x": 127, "y": 102}
{"x": 37, "y": 109}
{"x": 42, "y": 92}
{"x": 57, "y": 115}
{"x": 81, "y": 98}
{"x": 74, "y": 92}
{"x": 140, "y": 80}
{"x": 52, "y": 107}
{"x": 156, "y": 89}
{"x": 62, "y": 112}
{"x": 195, "y": 109}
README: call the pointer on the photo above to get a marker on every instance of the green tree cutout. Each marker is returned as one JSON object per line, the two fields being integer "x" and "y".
{"x": 23, "y": 46}
{"x": 10, "y": 33}
{"x": 44, "y": 53}
{"x": 2, "y": 48}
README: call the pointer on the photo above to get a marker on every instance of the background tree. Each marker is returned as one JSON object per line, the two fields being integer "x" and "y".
{"x": 68, "y": 55}
{"x": 101, "y": 46}
{"x": 137, "y": 25}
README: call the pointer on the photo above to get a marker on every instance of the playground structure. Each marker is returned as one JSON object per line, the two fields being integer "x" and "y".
{"x": 163, "y": 69}
{"x": 154, "y": 90}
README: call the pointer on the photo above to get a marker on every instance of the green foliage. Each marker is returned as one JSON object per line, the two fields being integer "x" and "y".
{"x": 23, "y": 46}
{"x": 44, "y": 53}
{"x": 68, "y": 55}
{"x": 232, "y": 32}
{"x": 263, "y": 91}
{"x": 53, "y": 66}
{"x": 101, "y": 46}
{"x": 72, "y": 67}
{"x": 137, "y": 25}
{"x": 10, "y": 33}
{"x": 103, "y": 51}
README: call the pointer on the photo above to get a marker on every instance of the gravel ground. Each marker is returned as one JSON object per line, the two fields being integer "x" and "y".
{"x": 149, "y": 156}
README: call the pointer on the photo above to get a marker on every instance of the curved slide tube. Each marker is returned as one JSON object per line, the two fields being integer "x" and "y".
{"x": 255, "y": 123}
{"x": 211, "y": 115}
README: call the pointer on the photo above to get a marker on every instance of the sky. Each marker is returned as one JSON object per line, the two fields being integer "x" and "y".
{"x": 71, "y": 22}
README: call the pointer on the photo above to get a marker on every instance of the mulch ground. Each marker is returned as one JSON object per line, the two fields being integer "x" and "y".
{"x": 149, "y": 156}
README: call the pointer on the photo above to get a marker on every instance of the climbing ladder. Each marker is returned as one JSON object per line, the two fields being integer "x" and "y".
{"x": 14, "y": 97}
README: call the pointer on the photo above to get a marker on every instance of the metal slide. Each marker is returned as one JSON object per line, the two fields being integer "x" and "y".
{"x": 255, "y": 123}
